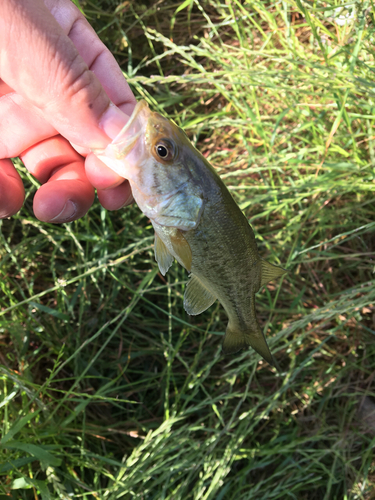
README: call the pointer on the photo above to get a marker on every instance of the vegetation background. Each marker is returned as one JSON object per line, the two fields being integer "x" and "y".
{"x": 107, "y": 388}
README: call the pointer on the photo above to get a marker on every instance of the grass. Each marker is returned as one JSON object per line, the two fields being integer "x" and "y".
{"x": 108, "y": 389}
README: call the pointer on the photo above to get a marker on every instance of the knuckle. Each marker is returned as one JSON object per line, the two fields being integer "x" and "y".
{"x": 73, "y": 83}
{"x": 80, "y": 83}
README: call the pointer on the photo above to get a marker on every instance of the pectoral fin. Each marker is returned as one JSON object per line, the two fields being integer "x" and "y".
{"x": 270, "y": 272}
{"x": 162, "y": 256}
{"x": 182, "y": 249}
{"x": 197, "y": 297}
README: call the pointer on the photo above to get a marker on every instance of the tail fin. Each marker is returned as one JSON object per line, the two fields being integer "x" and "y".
{"x": 236, "y": 338}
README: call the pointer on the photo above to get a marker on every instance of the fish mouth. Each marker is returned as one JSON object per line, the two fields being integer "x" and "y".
{"x": 127, "y": 143}
{"x": 125, "y": 140}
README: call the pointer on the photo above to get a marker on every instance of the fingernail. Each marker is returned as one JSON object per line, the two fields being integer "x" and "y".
{"x": 69, "y": 210}
{"x": 113, "y": 120}
{"x": 128, "y": 201}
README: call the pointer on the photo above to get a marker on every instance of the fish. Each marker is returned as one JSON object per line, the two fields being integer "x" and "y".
{"x": 196, "y": 221}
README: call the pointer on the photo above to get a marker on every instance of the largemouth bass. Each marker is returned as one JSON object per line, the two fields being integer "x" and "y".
{"x": 196, "y": 222}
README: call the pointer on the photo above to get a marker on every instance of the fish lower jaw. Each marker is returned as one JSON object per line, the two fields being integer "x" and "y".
{"x": 118, "y": 166}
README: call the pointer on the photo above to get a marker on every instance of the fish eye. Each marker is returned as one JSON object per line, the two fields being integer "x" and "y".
{"x": 165, "y": 150}
{"x": 162, "y": 151}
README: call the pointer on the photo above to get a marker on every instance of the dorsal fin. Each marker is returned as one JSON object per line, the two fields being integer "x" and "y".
{"x": 270, "y": 272}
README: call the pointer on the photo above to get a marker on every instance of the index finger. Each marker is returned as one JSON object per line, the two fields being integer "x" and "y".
{"x": 95, "y": 54}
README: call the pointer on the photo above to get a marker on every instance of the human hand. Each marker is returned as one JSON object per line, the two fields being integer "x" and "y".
{"x": 57, "y": 82}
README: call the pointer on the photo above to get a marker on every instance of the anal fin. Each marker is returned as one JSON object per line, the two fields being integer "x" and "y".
{"x": 162, "y": 256}
{"x": 270, "y": 272}
{"x": 197, "y": 297}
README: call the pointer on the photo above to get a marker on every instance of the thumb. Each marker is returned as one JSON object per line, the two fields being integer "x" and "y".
{"x": 40, "y": 62}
